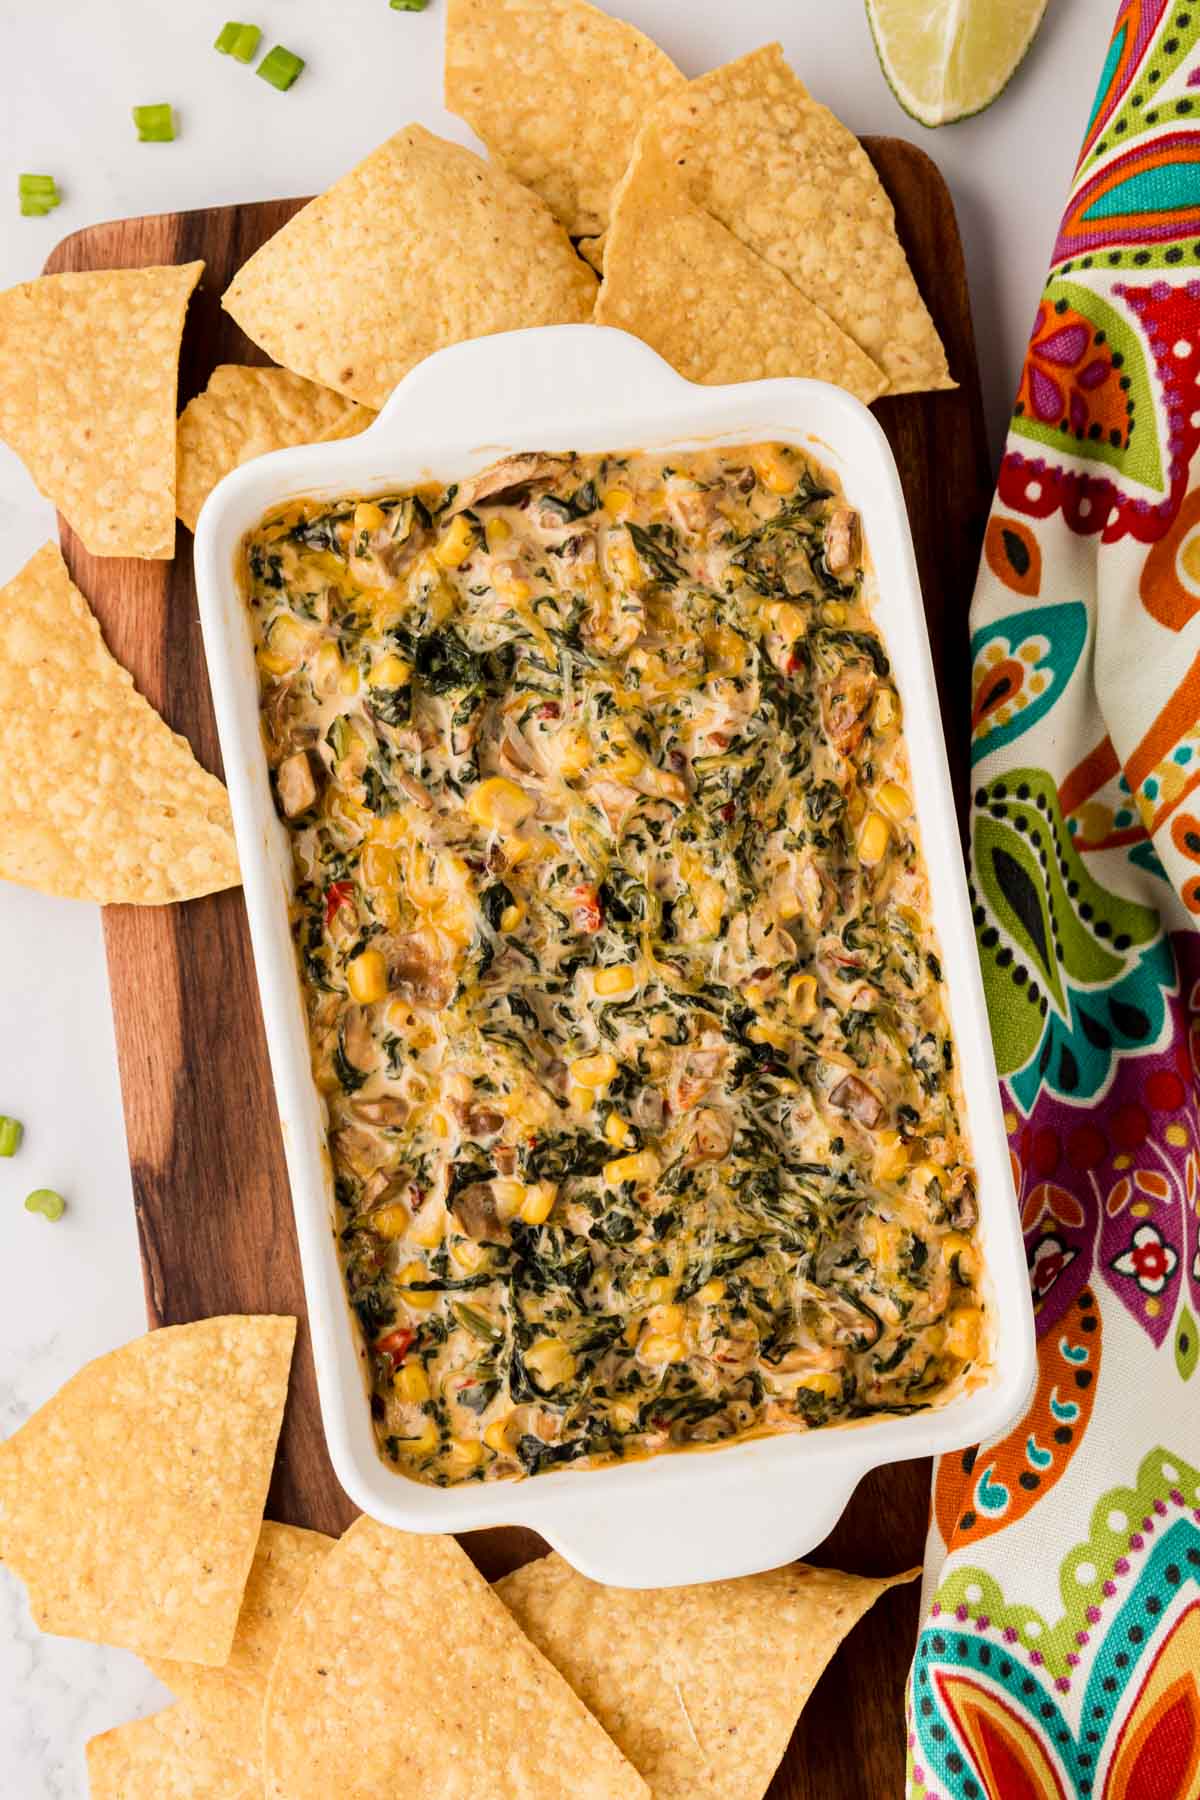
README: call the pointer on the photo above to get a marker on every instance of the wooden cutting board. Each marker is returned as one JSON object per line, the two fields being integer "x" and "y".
{"x": 210, "y": 1190}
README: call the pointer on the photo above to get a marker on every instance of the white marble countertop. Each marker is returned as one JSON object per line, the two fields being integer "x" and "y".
{"x": 72, "y": 69}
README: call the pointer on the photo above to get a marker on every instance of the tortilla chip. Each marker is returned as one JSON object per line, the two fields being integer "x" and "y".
{"x": 131, "y": 1503}
{"x": 699, "y": 1686}
{"x": 244, "y": 413}
{"x": 168, "y": 1756}
{"x": 88, "y": 372}
{"x": 402, "y": 1673}
{"x": 229, "y": 1701}
{"x": 557, "y": 90}
{"x": 100, "y": 799}
{"x": 422, "y": 245}
{"x": 717, "y": 312}
{"x": 795, "y": 185}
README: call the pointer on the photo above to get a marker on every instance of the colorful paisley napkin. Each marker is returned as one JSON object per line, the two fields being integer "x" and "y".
{"x": 1060, "y": 1654}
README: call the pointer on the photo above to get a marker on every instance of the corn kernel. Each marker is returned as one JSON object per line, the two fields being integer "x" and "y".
{"x": 617, "y": 502}
{"x": 643, "y": 1165}
{"x": 581, "y": 1098}
{"x": 787, "y": 621}
{"x": 551, "y": 1362}
{"x": 726, "y": 649}
{"x": 709, "y": 899}
{"x": 962, "y": 1335}
{"x": 627, "y": 766}
{"x": 328, "y": 669}
{"x": 469, "y": 1256}
{"x": 512, "y": 915}
{"x": 274, "y": 662}
{"x": 420, "y": 1300}
{"x": 424, "y": 1443}
{"x": 925, "y": 1172}
{"x": 776, "y": 474}
{"x": 610, "y": 982}
{"x": 624, "y": 562}
{"x": 289, "y": 637}
{"x": 575, "y": 753}
{"x": 456, "y": 543}
{"x": 659, "y": 1289}
{"x": 822, "y": 1381}
{"x": 368, "y": 516}
{"x": 367, "y": 977}
{"x": 388, "y": 829}
{"x": 594, "y": 1071}
{"x": 712, "y": 1291}
{"x": 498, "y": 804}
{"x": 538, "y": 1203}
{"x": 659, "y": 1349}
{"x": 802, "y": 998}
{"x": 834, "y": 613}
{"x": 439, "y": 1124}
{"x": 467, "y": 1453}
{"x": 885, "y": 709}
{"x": 348, "y": 681}
{"x": 894, "y": 800}
{"x": 957, "y": 1247}
{"x": 507, "y": 1197}
{"x": 618, "y": 1132}
{"x": 873, "y": 839}
{"x": 667, "y": 1318}
{"x": 495, "y": 1436}
{"x": 390, "y": 1221}
{"x": 411, "y": 1382}
{"x": 498, "y": 532}
{"x": 764, "y": 1033}
{"x": 891, "y": 1157}
{"x": 391, "y": 671}
{"x": 429, "y": 1227}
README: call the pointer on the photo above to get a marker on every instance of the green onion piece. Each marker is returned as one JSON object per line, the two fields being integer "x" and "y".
{"x": 227, "y": 37}
{"x": 477, "y": 1323}
{"x": 38, "y": 195}
{"x": 45, "y": 1201}
{"x": 280, "y": 67}
{"x": 246, "y": 47}
{"x": 409, "y": 5}
{"x": 155, "y": 124}
{"x": 10, "y": 1135}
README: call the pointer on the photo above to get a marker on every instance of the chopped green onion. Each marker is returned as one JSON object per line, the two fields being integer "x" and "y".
{"x": 239, "y": 41}
{"x": 246, "y": 48}
{"x": 38, "y": 195}
{"x": 45, "y": 1201}
{"x": 409, "y": 5}
{"x": 280, "y": 67}
{"x": 10, "y": 1135}
{"x": 155, "y": 124}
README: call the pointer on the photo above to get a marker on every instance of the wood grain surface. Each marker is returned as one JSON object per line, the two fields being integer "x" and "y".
{"x": 210, "y": 1190}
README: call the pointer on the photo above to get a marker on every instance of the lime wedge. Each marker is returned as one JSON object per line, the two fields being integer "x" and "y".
{"x": 946, "y": 59}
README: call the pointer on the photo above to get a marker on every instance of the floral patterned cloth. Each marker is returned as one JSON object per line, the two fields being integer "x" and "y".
{"x": 1060, "y": 1654}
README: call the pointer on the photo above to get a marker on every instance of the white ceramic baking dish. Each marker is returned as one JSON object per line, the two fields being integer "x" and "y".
{"x": 689, "y": 1516}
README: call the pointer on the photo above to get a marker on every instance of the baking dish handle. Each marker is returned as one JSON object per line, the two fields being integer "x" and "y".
{"x": 718, "y": 1533}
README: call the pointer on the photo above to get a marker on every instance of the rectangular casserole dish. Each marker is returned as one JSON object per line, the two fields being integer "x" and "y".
{"x": 680, "y": 1517}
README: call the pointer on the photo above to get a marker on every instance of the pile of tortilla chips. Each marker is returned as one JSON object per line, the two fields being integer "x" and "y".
{"x": 379, "y": 1663}
{"x": 690, "y": 198}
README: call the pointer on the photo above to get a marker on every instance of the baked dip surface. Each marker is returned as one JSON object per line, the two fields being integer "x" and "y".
{"x": 615, "y": 939}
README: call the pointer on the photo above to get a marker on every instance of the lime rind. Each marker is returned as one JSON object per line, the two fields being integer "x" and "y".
{"x": 949, "y": 113}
